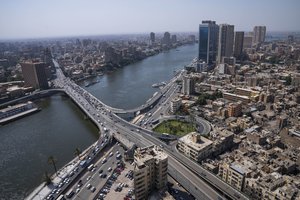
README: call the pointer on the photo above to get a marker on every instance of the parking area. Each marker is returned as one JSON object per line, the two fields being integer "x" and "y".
{"x": 120, "y": 184}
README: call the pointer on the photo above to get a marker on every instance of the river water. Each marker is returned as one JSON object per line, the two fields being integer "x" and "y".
{"x": 59, "y": 128}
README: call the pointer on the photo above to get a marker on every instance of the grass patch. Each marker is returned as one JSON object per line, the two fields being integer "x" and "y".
{"x": 175, "y": 127}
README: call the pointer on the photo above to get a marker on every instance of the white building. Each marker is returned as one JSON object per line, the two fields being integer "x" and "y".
{"x": 195, "y": 146}
{"x": 175, "y": 105}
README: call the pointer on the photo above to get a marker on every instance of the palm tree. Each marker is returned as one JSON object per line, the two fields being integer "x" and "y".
{"x": 52, "y": 161}
{"x": 77, "y": 152}
{"x": 47, "y": 178}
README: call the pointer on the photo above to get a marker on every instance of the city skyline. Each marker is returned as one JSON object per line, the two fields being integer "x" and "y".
{"x": 35, "y": 19}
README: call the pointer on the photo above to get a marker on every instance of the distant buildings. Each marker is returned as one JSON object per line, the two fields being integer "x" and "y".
{"x": 259, "y": 34}
{"x": 226, "y": 39}
{"x": 167, "y": 38}
{"x": 152, "y": 37}
{"x": 208, "y": 41}
{"x": 174, "y": 39}
{"x": 35, "y": 75}
{"x": 150, "y": 171}
{"x": 192, "y": 38}
{"x": 248, "y": 40}
{"x": 238, "y": 44}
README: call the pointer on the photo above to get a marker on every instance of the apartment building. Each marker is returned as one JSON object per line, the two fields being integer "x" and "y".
{"x": 150, "y": 172}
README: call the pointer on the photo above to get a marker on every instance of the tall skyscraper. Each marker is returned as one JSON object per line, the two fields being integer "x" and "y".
{"x": 259, "y": 33}
{"x": 152, "y": 37}
{"x": 248, "y": 40}
{"x": 208, "y": 41}
{"x": 174, "y": 38}
{"x": 238, "y": 44}
{"x": 167, "y": 38}
{"x": 34, "y": 74}
{"x": 226, "y": 38}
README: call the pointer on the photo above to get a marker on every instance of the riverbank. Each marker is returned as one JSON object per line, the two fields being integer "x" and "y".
{"x": 61, "y": 125}
{"x": 57, "y": 130}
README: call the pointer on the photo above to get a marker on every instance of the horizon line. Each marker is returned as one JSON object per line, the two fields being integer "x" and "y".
{"x": 118, "y": 34}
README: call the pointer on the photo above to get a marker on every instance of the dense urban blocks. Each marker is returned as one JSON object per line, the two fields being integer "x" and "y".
{"x": 175, "y": 127}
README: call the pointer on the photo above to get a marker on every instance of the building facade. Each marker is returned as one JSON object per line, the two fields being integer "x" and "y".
{"x": 238, "y": 44}
{"x": 259, "y": 34}
{"x": 152, "y": 37}
{"x": 248, "y": 40}
{"x": 235, "y": 109}
{"x": 232, "y": 174}
{"x": 167, "y": 38}
{"x": 188, "y": 85}
{"x": 225, "y": 41}
{"x": 195, "y": 146}
{"x": 208, "y": 41}
{"x": 35, "y": 75}
{"x": 150, "y": 171}
{"x": 175, "y": 105}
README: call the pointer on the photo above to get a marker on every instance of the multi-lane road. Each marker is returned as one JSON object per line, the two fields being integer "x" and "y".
{"x": 198, "y": 181}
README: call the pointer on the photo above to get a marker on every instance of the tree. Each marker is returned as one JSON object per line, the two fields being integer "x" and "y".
{"x": 52, "y": 161}
{"x": 47, "y": 178}
{"x": 77, "y": 153}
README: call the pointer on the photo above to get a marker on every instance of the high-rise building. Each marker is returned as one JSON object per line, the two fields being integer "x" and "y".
{"x": 259, "y": 34}
{"x": 152, "y": 37}
{"x": 150, "y": 171}
{"x": 175, "y": 105}
{"x": 208, "y": 41}
{"x": 225, "y": 43}
{"x": 188, "y": 85}
{"x": 35, "y": 75}
{"x": 238, "y": 44}
{"x": 167, "y": 38}
{"x": 248, "y": 40}
{"x": 174, "y": 39}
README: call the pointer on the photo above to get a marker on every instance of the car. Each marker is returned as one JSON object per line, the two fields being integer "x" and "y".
{"x": 88, "y": 186}
{"x": 93, "y": 189}
{"x": 100, "y": 171}
{"x": 58, "y": 191}
{"x": 88, "y": 178}
{"x": 118, "y": 156}
{"x": 109, "y": 169}
{"x": 77, "y": 190}
{"x": 61, "y": 184}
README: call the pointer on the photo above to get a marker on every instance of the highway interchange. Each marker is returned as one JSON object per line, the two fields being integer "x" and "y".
{"x": 198, "y": 181}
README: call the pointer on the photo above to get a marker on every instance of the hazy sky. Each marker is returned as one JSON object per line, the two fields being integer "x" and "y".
{"x": 46, "y": 18}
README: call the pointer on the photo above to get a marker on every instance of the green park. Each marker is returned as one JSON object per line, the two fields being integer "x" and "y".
{"x": 175, "y": 127}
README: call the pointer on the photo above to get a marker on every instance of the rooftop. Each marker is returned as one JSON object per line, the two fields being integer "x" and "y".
{"x": 201, "y": 143}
